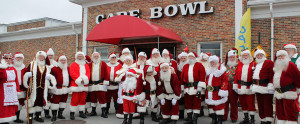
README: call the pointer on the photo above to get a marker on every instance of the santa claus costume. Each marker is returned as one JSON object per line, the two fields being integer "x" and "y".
{"x": 9, "y": 90}
{"x": 98, "y": 85}
{"x": 80, "y": 74}
{"x": 112, "y": 89}
{"x": 154, "y": 61}
{"x": 286, "y": 82}
{"x": 242, "y": 84}
{"x": 141, "y": 64}
{"x": 182, "y": 61}
{"x": 193, "y": 79}
{"x": 217, "y": 90}
{"x": 125, "y": 52}
{"x": 61, "y": 92}
{"x": 168, "y": 92}
{"x": 52, "y": 61}
{"x": 263, "y": 87}
{"x": 232, "y": 95}
{"x": 37, "y": 78}
{"x": 169, "y": 59}
{"x": 203, "y": 59}
{"x": 20, "y": 68}
{"x": 129, "y": 95}
{"x": 146, "y": 93}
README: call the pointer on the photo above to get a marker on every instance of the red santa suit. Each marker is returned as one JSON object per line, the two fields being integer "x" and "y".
{"x": 9, "y": 92}
{"x": 80, "y": 74}
{"x": 61, "y": 92}
{"x": 112, "y": 88}
{"x": 216, "y": 91}
{"x": 286, "y": 83}
{"x": 263, "y": 87}
{"x": 179, "y": 71}
{"x": 169, "y": 92}
{"x": 242, "y": 83}
{"x": 203, "y": 56}
{"x": 128, "y": 93}
{"x": 53, "y": 63}
{"x": 146, "y": 90}
{"x": 192, "y": 77}
{"x": 171, "y": 61}
{"x": 151, "y": 62}
{"x": 141, "y": 65}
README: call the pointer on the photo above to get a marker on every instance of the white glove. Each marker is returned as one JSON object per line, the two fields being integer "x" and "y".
{"x": 199, "y": 89}
{"x": 104, "y": 87}
{"x": 120, "y": 100}
{"x": 236, "y": 90}
{"x": 47, "y": 76}
{"x": 162, "y": 101}
{"x": 271, "y": 91}
{"x": 30, "y": 74}
{"x": 174, "y": 101}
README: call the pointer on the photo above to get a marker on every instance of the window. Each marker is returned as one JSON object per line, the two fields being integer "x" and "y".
{"x": 103, "y": 51}
{"x": 215, "y": 48}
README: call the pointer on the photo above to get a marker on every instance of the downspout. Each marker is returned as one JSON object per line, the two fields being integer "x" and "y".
{"x": 73, "y": 28}
{"x": 272, "y": 32}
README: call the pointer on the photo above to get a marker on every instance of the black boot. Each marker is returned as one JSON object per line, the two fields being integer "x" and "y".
{"x": 252, "y": 121}
{"x": 246, "y": 119}
{"x": 195, "y": 118}
{"x": 125, "y": 119}
{"x": 142, "y": 119}
{"x": 38, "y": 117}
{"x": 220, "y": 119}
{"x": 213, "y": 118}
{"x": 54, "y": 113}
{"x": 154, "y": 117}
{"x": 72, "y": 117}
{"x": 60, "y": 113}
{"x": 268, "y": 122}
{"x": 18, "y": 119}
{"x": 189, "y": 118}
{"x": 47, "y": 114}
{"x": 107, "y": 108}
{"x": 103, "y": 114}
{"x": 130, "y": 119}
{"x": 173, "y": 122}
{"x": 201, "y": 112}
{"x": 81, "y": 114}
{"x": 116, "y": 107}
{"x": 30, "y": 118}
{"x": 159, "y": 116}
{"x": 181, "y": 114}
{"x": 164, "y": 121}
{"x": 93, "y": 112}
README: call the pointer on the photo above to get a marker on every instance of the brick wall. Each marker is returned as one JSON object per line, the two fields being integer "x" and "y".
{"x": 61, "y": 45}
{"x": 26, "y": 26}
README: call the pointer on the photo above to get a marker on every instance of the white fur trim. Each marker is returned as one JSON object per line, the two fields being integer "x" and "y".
{"x": 106, "y": 82}
{"x": 280, "y": 121}
{"x": 103, "y": 105}
{"x": 78, "y": 54}
{"x": 244, "y": 90}
{"x": 112, "y": 87}
{"x": 286, "y": 95}
{"x": 220, "y": 112}
{"x": 97, "y": 87}
{"x": 61, "y": 91}
{"x": 269, "y": 119}
{"x": 73, "y": 108}
{"x": 202, "y": 84}
{"x": 191, "y": 54}
{"x": 189, "y": 110}
{"x": 88, "y": 105}
{"x": 125, "y": 50}
{"x": 155, "y": 50}
{"x": 128, "y": 97}
{"x": 142, "y": 54}
{"x": 164, "y": 64}
{"x": 244, "y": 75}
{"x": 19, "y": 55}
{"x": 141, "y": 109}
{"x": 135, "y": 115}
{"x": 8, "y": 119}
{"x": 258, "y": 51}
{"x": 94, "y": 104}
{"x": 165, "y": 116}
{"x": 78, "y": 81}
{"x": 270, "y": 86}
{"x": 54, "y": 106}
{"x": 213, "y": 58}
{"x": 281, "y": 52}
{"x": 235, "y": 86}
{"x": 62, "y": 105}
{"x": 257, "y": 70}
{"x": 216, "y": 102}
{"x": 85, "y": 79}
{"x": 259, "y": 89}
{"x": 291, "y": 122}
{"x": 196, "y": 111}
{"x": 161, "y": 96}
{"x": 174, "y": 117}
{"x": 223, "y": 93}
{"x": 41, "y": 53}
{"x": 79, "y": 88}
{"x": 290, "y": 46}
{"x": 81, "y": 107}
{"x": 231, "y": 53}
{"x": 246, "y": 52}
{"x": 141, "y": 96}
{"x": 182, "y": 54}
{"x": 251, "y": 112}
{"x": 121, "y": 116}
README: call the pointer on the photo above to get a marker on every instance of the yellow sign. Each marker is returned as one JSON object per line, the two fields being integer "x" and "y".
{"x": 244, "y": 38}
{"x": 258, "y": 47}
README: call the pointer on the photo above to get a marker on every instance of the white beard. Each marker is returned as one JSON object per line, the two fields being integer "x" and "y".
{"x": 122, "y": 57}
{"x": 5, "y": 63}
{"x": 165, "y": 60}
{"x": 155, "y": 60}
{"x": 113, "y": 62}
{"x": 260, "y": 60}
{"x": 80, "y": 62}
{"x": 232, "y": 63}
{"x": 62, "y": 66}
{"x": 165, "y": 76}
{"x": 97, "y": 60}
{"x": 129, "y": 84}
{"x": 281, "y": 65}
{"x": 181, "y": 64}
{"x": 192, "y": 61}
{"x": 41, "y": 63}
{"x": 246, "y": 61}
{"x": 152, "y": 82}
{"x": 213, "y": 69}
{"x": 140, "y": 62}
{"x": 18, "y": 63}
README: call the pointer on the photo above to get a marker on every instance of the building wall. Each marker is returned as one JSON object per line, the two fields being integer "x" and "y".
{"x": 62, "y": 45}
{"x": 286, "y": 30}
{"x": 217, "y": 26}
{"x": 26, "y": 26}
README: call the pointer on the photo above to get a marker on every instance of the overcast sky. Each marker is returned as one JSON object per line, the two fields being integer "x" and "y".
{"x": 21, "y": 10}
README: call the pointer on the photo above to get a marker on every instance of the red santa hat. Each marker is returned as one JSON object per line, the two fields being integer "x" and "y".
{"x": 41, "y": 53}
{"x": 113, "y": 54}
{"x": 165, "y": 51}
{"x": 204, "y": 55}
{"x": 164, "y": 64}
{"x": 128, "y": 57}
{"x": 76, "y": 55}
{"x": 182, "y": 54}
{"x": 124, "y": 50}
{"x": 62, "y": 57}
{"x": 18, "y": 54}
{"x": 245, "y": 51}
{"x": 50, "y": 51}
{"x": 154, "y": 50}
{"x": 291, "y": 46}
{"x": 193, "y": 54}
{"x": 142, "y": 54}
{"x": 216, "y": 59}
{"x": 258, "y": 51}
{"x": 231, "y": 52}
{"x": 281, "y": 52}
{"x": 131, "y": 72}
{"x": 88, "y": 59}
{"x": 148, "y": 68}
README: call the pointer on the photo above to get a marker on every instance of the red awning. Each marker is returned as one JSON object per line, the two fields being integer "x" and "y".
{"x": 124, "y": 27}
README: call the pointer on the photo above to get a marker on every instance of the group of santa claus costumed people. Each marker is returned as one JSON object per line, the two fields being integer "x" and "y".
{"x": 160, "y": 85}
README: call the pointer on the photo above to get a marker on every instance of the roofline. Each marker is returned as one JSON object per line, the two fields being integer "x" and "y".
{"x": 34, "y": 20}
{"x": 267, "y": 2}
{"x": 89, "y": 3}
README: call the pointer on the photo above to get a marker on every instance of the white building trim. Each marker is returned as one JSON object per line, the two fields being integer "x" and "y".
{"x": 238, "y": 16}
{"x": 37, "y": 20}
{"x": 41, "y": 32}
{"x": 89, "y": 3}
{"x": 84, "y": 34}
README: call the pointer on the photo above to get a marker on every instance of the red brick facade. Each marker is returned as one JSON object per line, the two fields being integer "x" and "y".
{"x": 26, "y": 26}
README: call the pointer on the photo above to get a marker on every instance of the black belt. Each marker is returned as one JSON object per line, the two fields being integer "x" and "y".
{"x": 261, "y": 81}
{"x": 191, "y": 84}
{"x": 285, "y": 88}
{"x": 150, "y": 92}
{"x": 213, "y": 88}
{"x": 96, "y": 82}
{"x": 113, "y": 83}
{"x": 128, "y": 94}
{"x": 244, "y": 83}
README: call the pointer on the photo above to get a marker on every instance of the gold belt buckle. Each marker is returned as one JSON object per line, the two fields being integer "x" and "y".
{"x": 278, "y": 90}
{"x": 210, "y": 88}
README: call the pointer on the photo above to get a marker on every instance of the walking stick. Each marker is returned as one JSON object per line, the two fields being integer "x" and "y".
{"x": 135, "y": 56}
{"x": 29, "y": 87}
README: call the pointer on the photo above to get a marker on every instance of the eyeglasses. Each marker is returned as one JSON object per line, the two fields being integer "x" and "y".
{"x": 8, "y": 58}
{"x": 113, "y": 57}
